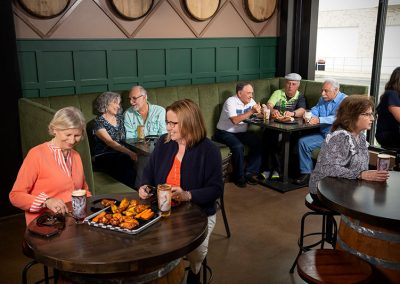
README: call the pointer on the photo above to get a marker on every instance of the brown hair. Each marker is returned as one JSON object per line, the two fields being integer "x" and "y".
{"x": 394, "y": 81}
{"x": 191, "y": 121}
{"x": 349, "y": 111}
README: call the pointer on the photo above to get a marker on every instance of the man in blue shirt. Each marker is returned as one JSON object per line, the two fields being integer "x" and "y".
{"x": 324, "y": 112}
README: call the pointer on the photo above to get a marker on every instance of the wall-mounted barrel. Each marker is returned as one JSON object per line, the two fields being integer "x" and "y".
{"x": 202, "y": 10}
{"x": 44, "y": 8}
{"x": 132, "y": 9}
{"x": 260, "y": 10}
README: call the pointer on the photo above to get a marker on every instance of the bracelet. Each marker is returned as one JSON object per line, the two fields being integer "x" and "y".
{"x": 44, "y": 203}
{"x": 188, "y": 195}
{"x": 294, "y": 113}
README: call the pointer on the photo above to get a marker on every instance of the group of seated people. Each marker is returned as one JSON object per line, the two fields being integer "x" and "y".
{"x": 185, "y": 158}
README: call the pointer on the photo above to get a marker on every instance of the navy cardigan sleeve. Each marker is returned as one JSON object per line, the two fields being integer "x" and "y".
{"x": 201, "y": 170}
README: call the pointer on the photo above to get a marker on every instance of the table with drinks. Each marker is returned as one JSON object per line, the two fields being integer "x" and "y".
{"x": 370, "y": 220}
{"x": 286, "y": 129}
{"x": 83, "y": 253}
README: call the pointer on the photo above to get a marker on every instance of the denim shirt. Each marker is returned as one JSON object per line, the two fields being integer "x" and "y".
{"x": 326, "y": 111}
{"x": 154, "y": 125}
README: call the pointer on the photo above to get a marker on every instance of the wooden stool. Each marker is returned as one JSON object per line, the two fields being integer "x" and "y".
{"x": 328, "y": 231}
{"x": 332, "y": 266}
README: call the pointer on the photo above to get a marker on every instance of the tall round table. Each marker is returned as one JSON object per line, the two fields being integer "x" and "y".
{"x": 370, "y": 220}
{"x": 82, "y": 253}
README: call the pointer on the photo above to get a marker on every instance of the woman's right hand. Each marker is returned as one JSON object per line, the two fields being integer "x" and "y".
{"x": 374, "y": 175}
{"x": 144, "y": 192}
{"x": 56, "y": 205}
{"x": 132, "y": 155}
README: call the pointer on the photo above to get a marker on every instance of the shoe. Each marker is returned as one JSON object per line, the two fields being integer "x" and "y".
{"x": 275, "y": 175}
{"x": 240, "y": 183}
{"x": 264, "y": 175}
{"x": 250, "y": 179}
{"x": 193, "y": 278}
{"x": 303, "y": 180}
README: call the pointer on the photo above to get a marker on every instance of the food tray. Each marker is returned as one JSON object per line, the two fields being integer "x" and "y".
{"x": 143, "y": 224}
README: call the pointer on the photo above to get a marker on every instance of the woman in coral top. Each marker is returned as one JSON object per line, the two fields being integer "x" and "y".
{"x": 52, "y": 170}
{"x": 191, "y": 163}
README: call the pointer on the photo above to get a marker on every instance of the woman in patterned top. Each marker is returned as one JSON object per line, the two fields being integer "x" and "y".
{"x": 53, "y": 169}
{"x": 344, "y": 152}
{"x": 109, "y": 154}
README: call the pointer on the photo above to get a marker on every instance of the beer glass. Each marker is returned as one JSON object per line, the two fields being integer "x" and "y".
{"x": 79, "y": 205}
{"x": 164, "y": 199}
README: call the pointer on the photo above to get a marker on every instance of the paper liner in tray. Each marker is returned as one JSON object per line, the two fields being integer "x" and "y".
{"x": 143, "y": 224}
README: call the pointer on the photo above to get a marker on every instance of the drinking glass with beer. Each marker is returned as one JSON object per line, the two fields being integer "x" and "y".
{"x": 79, "y": 205}
{"x": 140, "y": 133}
{"x": 164, "y": 199}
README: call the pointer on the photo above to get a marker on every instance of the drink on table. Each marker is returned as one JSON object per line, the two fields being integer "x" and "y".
{"x": 140, "y": 133}
{"x": 383, "y": 162}
{"x": 79, "y": 205}
{"x": 282, "y": 107}
{"x": 164, "y": 199}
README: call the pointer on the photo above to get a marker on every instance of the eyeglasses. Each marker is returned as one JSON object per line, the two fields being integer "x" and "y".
{"x": 51, "y": 220}
{"x": 135, "y": 98}
{"x": 369, "y": 114}
{"x": 171, "y": 123}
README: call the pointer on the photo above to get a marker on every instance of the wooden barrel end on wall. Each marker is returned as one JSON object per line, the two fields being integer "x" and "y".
{"x": 201, "y": 10}
{"x": 379, "y": 246}
{"x": 260, "y": 10}
{"x": 44, "y": 8}
{"x": 132, "y": 9}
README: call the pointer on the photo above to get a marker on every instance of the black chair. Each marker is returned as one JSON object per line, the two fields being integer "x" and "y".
{"x": 220, "y": 202}
{"x": 328, "y": 231}
{"x": 27, "y": 251}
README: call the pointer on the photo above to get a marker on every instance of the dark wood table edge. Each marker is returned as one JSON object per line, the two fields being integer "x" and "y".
{"x": 365, "y": 217}
{"x": 127, "y": 267}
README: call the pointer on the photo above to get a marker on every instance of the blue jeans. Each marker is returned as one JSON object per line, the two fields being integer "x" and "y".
{"x": 236, "y": 142}
{"x": 307, "y": 144}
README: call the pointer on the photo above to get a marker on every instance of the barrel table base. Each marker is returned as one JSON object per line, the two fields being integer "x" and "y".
{"x": 379, "y": 246}
{"x": 171, "y": 273}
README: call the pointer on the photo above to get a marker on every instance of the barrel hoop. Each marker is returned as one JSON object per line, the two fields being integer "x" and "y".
{"x": 369, "y": 232}
{"x": 371, "y": 259}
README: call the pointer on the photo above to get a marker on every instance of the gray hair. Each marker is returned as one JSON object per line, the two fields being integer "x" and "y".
{"x": 67, "y": 118}
{"x": 335, "y": 84}
{"x": 142, "y": 90}
{"x": 104, "y": 100}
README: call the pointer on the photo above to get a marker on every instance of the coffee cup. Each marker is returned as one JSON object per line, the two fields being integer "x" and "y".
{"x": 79, "y": 205}
{"x": 383, "y": 162}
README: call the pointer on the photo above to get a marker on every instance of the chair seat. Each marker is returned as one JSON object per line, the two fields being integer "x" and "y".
{"x": 332, "y": 266}
{"x": 316, "y": 206}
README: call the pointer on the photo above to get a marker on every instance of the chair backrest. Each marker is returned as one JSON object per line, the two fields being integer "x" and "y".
{"x": 226, "y": 168}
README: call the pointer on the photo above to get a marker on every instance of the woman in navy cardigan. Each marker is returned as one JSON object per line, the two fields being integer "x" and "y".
{"x": 191, "y": 163}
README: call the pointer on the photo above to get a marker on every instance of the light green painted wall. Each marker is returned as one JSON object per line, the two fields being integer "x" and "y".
{"x": 63, "y": 67}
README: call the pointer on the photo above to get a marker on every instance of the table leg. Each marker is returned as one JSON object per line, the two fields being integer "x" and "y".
{"x": 286, "y": 153}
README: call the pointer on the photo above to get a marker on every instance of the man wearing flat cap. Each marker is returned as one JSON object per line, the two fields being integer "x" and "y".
{"x": 294, "y": 105}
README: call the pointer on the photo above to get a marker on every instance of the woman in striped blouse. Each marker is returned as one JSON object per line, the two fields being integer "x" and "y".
{"x": 52, "y": 170}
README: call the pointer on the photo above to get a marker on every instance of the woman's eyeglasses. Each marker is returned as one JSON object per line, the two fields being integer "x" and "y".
{"x": 369, "y": 114}
{"x": 171, "y": 123}
{"x": 51, "y": 220}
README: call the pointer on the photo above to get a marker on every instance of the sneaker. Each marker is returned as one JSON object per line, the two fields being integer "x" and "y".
{"x": 264, "y": 175}
{"x": 275, "y": 175}
{"x": 250, "y": 179}
{"x": 240, "y": 183}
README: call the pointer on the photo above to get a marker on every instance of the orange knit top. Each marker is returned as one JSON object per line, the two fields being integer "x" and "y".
{"x": 174, "y": 176}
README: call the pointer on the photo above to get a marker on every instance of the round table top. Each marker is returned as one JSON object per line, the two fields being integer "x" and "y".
{"x": 82, "y": 248}
{"x": 373, "y": 202}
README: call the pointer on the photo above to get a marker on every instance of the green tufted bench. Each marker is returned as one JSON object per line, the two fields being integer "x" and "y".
{"x": 36, "y": 113}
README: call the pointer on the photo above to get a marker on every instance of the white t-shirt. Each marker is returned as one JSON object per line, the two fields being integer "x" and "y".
{"x": 233, "y": 106}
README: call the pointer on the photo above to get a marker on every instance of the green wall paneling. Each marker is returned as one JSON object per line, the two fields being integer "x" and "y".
{"x": 62, "y": 67}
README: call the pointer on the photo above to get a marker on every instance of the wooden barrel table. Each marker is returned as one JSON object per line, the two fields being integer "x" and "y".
{"x": 86, "y": 254}
{"x": 370, "y": 221}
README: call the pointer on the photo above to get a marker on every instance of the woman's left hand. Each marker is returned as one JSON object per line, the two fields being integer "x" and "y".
{"x": 180, "y": 195}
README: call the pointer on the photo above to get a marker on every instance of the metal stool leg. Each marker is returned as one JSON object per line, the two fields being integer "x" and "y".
{"x": 228, "y": 231}
{"x": 206, "y": 269}
{"x": 25, "y": 271}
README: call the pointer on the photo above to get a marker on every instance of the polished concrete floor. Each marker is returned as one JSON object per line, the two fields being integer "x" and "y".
{"x": 264, "y": 226}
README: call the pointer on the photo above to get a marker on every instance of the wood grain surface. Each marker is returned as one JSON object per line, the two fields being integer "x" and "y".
{"x": 202, "y": 10}
{"x": 44, "y": 8}
{"x": 85, "y": 249}
{"x": 132, "y": 9}
{"x": 260, "y": 10}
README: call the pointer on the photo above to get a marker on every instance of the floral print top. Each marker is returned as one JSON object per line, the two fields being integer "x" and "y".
{"x": 117, "y": 133}
{"x": 342, "y": 155}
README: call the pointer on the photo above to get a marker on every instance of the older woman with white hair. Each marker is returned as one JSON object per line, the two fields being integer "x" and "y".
{"x": 52, "y": 170}
{"x": 109, "y": 154}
